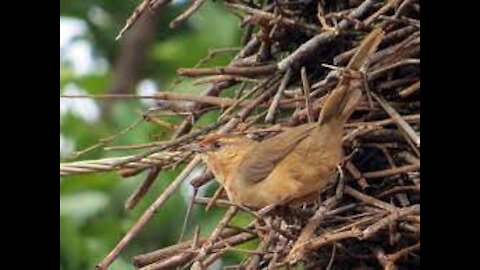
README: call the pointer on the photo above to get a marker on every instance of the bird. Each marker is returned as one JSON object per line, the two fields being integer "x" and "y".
{"x": 299, "y": 161}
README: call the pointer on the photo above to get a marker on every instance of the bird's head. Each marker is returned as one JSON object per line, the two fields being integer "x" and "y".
{"x": 223, "y": 153}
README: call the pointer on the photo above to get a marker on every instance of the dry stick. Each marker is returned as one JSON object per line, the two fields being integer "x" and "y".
{"x": 213, "y": 237}
{"x": 370, "y": 218}
{"x": 372, "y": 229}
{"x": 244, "y": 97}
{"x": 306, "y": 91}
{"x": 399, "y": 33}
{"x": 174, "y": 260}
{"x": 398, "y": 189}
{"x": 142, "y": 221}
{"x": 298, "y": 251}
{"x": 201, "y": 179}
{"x": 361, "y": 130}
{"x": 187, "y": 13}
{"x": 379, "y": 71}
{"x": 229, "y": 70}
{"x": 402, "y": 124}
{"x": 268, "y": 17}
{"x": 311, "y": 46}
{"x": 413, "y": 118}
{"x": 171, "y": 261}
{"x": 380, "y": 255}
{"x": 276, "y": 99}
{"x": 403, "y": 19}
{"x": 402, "y": 8}
{"x": 110, "y": 96}
{"x": 173, "y": 142}
{"x": 134, "y": 17}
{"x": 320, "y": 241}
{"x": 109, "y": 164}
{"x": 392, "y": 171}
{"x": 413, "y": 40}
{"x": 221, "y": 78}
{"x": 215, "y": 197}
{"x": 357, "y": 175}
{"x": 159, "y": 122}
{"x": 408, "y": 157}
{"x": 225, "y": 203}
{"x": 392, "y": 258}
{"x": 332, "y": 258}
{"x": 369, "y": 200}
{"x": 390, "y": 4}
{"x": 317, "y": 242}
{"x": 196, "y": 237}
{"x": 164, "y": 253}
{"x": 262, "y": 248}
{"x": 410, "y": 90}
{"x": 211, "y": 100}
{"x": 216, "y": 88}
{"x": 210, "y": 259}
{"x": 142, "y": 189}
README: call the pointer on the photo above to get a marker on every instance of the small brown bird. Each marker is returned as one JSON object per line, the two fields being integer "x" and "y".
{"x": 299, "y": 161}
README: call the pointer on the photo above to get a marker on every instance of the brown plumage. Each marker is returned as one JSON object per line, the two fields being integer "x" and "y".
{"x": 297, "y": 162}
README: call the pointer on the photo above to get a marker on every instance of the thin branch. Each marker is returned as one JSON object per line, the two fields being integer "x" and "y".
{"x": 186, "y": 14}
{"x": 142, "y": 221}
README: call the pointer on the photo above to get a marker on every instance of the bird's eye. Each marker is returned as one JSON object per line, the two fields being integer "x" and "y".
{"x": 217, "y": 145}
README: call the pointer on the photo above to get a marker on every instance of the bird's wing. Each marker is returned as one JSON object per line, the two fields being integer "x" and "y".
{"x": 261, "y": 160}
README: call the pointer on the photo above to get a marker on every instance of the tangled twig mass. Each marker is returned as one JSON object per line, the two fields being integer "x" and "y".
{"x": 291, "y": 59}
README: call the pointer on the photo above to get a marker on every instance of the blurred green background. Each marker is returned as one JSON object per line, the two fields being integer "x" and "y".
{"x": 92, "y": 217}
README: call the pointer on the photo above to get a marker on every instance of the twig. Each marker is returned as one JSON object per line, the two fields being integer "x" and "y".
{"x": 402, "y": 124}
{"x": 215, "y": 234}
{"x": 266, "y": 17}
{"x": 142, "y": 221}
{"x": 262, "y": 248}
{"x": 187, "y": 13}
{"x": 171, "y": 143}
{"x": 369, "y": 200}
{"x": 241, "y": 71}
{"x": 276, "y": 99}
{"x": 392, "y": 171}
{"x": 109, "y": 164}
{"x": 410, "y": 90}
{"x": 215, "y": 197}
{"x": 142, "y": 189}
{"x": 312, "y": 45}
{"x": 306, "y": 91}
{"x": 372, "y": 229}
{"x": 134, "y": 17}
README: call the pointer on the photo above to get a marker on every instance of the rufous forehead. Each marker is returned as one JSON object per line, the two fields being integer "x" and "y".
{"x": 210, "y": 139}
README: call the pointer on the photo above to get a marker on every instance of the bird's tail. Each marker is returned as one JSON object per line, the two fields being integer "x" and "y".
{"x": 342, "y": 101}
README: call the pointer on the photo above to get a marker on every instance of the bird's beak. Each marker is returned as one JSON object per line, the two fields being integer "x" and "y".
{"x": 196, "y": 147}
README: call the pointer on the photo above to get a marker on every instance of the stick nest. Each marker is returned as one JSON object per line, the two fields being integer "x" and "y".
{"x": 370, "y": 218}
